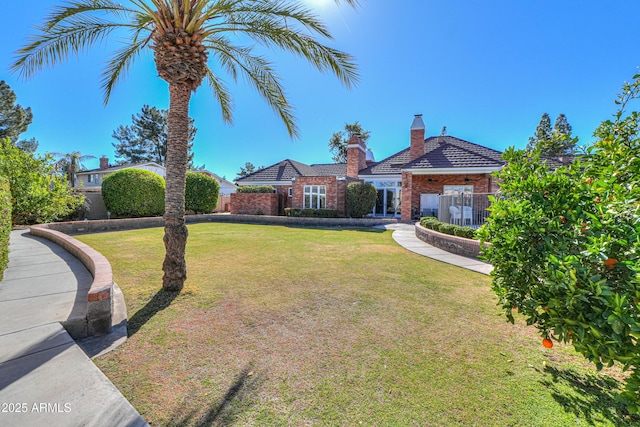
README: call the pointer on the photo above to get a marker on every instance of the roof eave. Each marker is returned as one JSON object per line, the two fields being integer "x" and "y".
{"x": 452, "y": 171}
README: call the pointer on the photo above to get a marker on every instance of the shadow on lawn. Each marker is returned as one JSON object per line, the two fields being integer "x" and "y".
{"x": 223, "y": 412}
{"x": 159, "y": 302}
{"x": 595, "y": 396}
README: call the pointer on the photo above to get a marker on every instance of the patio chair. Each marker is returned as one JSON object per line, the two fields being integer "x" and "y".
{"x": 468, "y": 214}
{"x": 455, "y": 215}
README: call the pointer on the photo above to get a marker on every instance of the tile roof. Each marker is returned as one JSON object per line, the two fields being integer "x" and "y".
{"x": 288, "y": 169}
{"x": 440, "y": 152}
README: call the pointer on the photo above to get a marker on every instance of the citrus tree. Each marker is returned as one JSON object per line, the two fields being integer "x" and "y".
{"x": 565, "y": 245}
{"x": 186, "y": 36}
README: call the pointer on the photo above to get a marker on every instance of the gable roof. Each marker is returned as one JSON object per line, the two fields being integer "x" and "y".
{"x": 441, "y": 152}
{"x": 288, "y": 170}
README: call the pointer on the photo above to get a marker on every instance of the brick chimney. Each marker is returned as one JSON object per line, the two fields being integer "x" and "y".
{"x": 356, "y": 156}
{"x": 416, "y": 149}
{"x": 104, "y": 163}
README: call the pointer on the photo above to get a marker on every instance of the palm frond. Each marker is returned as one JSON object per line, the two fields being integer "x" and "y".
{"x": 54, "y": 45}
{"x": 286, "y": 14}
{"x": 62, "y": 13}
{"x": 271, "y": 30}
{"x": 222, "y": 95}
{"x": 120, "y": 63}
{"x": 261, "y": 75}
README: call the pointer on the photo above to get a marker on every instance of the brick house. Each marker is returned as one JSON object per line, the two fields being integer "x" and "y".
{"x": 409, "y": 182}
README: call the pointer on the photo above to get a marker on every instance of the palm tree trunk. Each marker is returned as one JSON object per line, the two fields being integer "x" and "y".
{"x": 175, "y": 230}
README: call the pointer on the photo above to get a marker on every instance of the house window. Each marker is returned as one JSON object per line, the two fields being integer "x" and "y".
{"x": 90, "y": 178}
{"x": 315, "y": 197}
{"x": 450, "y": 190}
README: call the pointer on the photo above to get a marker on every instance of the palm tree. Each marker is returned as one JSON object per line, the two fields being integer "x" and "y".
{"x": 186, "y": 36}
{"x": 71, "y": 164}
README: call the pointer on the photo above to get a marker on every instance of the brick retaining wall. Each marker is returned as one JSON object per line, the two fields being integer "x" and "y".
{"x": 454, "y": 244}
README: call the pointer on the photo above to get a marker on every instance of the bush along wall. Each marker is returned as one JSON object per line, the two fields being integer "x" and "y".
{"x": 256, "y": 189}
{"x": 201, "y": 193}
{"x": 131, "y": 193}
{"x": 446, "y": 228}
{"x": 5, "y": 223}
{"x": 312, "y": 213}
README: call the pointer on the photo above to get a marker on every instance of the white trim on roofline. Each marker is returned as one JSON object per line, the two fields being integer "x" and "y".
{"x": 452, "y": 171}
{"x": 387, "y": 177}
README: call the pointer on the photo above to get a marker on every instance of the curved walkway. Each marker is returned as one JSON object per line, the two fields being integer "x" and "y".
{"x": 45, "y": 376}
{"x": 405, "y": 236}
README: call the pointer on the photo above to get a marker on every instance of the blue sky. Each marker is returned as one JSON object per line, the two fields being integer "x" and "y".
{"x": 486, "y": 70}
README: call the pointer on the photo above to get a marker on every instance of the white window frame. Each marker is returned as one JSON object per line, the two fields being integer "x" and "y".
{"x": 290, "y": 191}
{"x": 454, "y": 190}
{"x": 314, "y": 197}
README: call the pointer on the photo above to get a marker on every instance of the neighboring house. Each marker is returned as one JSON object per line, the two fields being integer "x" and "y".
{"x": 226, "y": 187}
{"x": 94, "y": 177}
{"x": 409, "y": 182}
{"x": 90, "y": 183}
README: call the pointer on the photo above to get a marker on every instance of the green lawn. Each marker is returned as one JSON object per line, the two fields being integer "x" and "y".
{"x": 291, "y": 326}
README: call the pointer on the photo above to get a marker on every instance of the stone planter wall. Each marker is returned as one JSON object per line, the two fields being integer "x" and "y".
{"x": 454, "y": 244}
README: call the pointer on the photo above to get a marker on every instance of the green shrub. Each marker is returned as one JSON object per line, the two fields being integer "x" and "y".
{"x": 361, "y": 198}
{"x": 256, "y": 189}
{"x": 452, "y": 229}
{"x": 38, "y": 193}
{"x": 131, "y": 193}
{"x": 312, "y": 213}
{"x": 5, "y": 223}
{"x": 565, "y": 245}
{"x": 428, "y": 221}
{"x": 201, "y": 193}
{"x": 445, "y": 228}
{"x": 466, "y": 232}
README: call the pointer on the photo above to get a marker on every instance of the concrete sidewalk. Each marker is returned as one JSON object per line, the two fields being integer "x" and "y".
{"x": 45, "y": 376}
{"x": 405, "y": 236}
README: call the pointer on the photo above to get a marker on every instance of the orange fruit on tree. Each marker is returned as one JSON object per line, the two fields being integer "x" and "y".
{"x": 547, "y": 343}
{"x": 610, "y": 262}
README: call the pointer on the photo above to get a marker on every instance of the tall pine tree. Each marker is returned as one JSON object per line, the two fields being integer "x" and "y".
{"x": 14, "y": 119}
{"x": 553, "y": 142}
{"x": 145, "y": 140}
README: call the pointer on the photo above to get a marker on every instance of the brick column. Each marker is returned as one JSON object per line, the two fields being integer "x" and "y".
{"x": 407, "y": 189}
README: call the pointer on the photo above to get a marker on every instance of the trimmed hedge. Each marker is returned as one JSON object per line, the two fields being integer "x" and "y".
{"x": 256, "y": 189}
{"x": 201, "y": 193}
{"x": 131, "y": 193}
{"x": 446, "y": 228}
{"x": 361, "y": 198}
{"x": 311, "y": 213}
{"x": 5, "y": 223}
